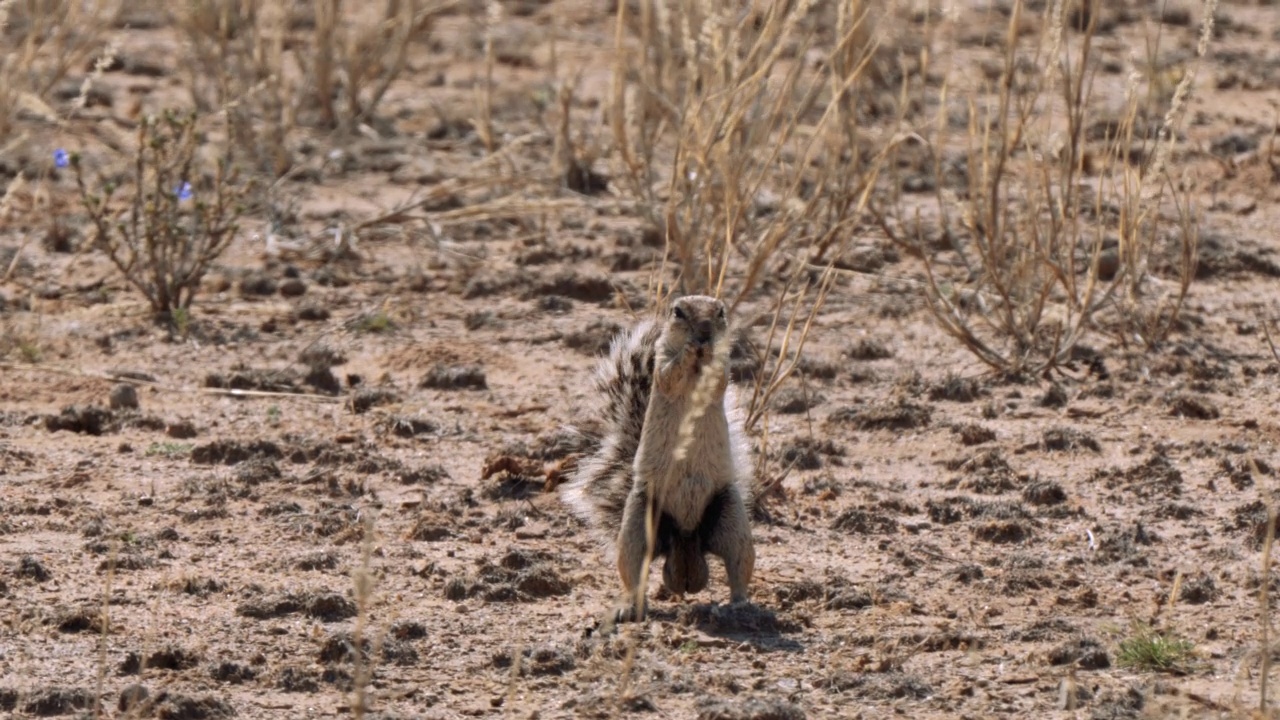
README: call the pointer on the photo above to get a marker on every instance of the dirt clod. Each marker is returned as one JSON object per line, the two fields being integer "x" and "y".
{"x": 87, "y": 420}
{"x": 1044, "y": 492}
{"x": 133, "y": 698}
{"x": 455, "y": 377}
{"x": 1066, "y": 439}
{"x": 367, "y": 398}
{"x": 544, "y": 660}
{"x": 1085, "y": 653}
{"x": 46, "y": 702}
{"x": 82, "y": 619}
{"x": 230, "y": 452}
{"x": 326, "y": 606}
{"x": 868, "y": 349}
{"x": 861, "y": 521}
{"x": 32, "y": 569}
{"x": 876, "y": 686}
{"x": 899, "y": 415}
{"x": 229, "y": 671}
{"x": 172, "y": 658}
{"x": 124, "y": 397}
{"x": 175, "y": 706}
{"x": 1198, "y": 589}
{"x": 1192, "y": 406}
{"x": 973, "y": 433}
{"x": 751, "y": 620}
{"x": 181, "y": 430}
{"x": 751, "y": 709}
{"x": 1003, "y": 531}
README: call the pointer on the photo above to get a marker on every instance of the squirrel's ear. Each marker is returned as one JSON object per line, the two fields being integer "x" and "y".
{"x": 720, "y": 312}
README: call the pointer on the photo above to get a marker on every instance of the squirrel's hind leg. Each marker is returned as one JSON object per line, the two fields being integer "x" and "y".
{"x": 633, "y": 549}
{"x": 730, "y": 539}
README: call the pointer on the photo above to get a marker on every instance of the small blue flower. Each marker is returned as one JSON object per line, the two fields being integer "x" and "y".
{"x": 183, "y": 191}
{"x": 61, "y": 158}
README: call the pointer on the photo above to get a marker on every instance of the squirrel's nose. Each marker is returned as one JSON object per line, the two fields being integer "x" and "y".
{"x": 702, "y": 332}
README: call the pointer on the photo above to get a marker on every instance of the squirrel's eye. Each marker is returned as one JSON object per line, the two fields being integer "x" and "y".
{"x": 720, "y": 312}
{"x": 679, "y": 311}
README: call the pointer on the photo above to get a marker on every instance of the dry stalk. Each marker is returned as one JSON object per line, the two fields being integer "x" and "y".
{"x": 791, "y": 344}
{"x": 484, "y": 99}
{"x": 363, "y": 583}
{"x": 105, "y": 619}
{"x": 1264, "y": 611}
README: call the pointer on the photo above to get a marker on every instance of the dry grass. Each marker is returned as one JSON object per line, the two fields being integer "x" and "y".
{"x": 734, "y": 142}
{"x": 275, "y": 68}
{"x": 46, "y": 42}
{"x": 1056, "y": 236}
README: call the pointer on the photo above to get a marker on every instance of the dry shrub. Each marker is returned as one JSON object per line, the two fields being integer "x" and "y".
{"x": 1051, "y": 233}
{"x": 174, "y": 217}
{"x": 45, "y": 41}
{"x": 273, "y": 67}
{"x": 734, "y": 130}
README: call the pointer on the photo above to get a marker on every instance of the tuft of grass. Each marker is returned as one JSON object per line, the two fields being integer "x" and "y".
{"x": 1155, "y": 651}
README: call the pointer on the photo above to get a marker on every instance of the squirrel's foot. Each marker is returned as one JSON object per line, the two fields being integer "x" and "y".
{"x": 629, "y": 613}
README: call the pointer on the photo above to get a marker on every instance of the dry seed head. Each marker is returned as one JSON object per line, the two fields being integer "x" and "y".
{"x": 1055, "y": 43}
{"x": 99, "y": 66}
{"x": 1180, "y": 94}
{"x": 705, "y": 392}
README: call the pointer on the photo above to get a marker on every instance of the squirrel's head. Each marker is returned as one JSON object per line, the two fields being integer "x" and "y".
{"x": 696, "y": 324}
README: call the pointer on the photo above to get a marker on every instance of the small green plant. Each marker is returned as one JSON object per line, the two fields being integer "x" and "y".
{"x": 30, "y": 351}
{"x": 375, "y": 322}
{"x": 181, "y": 320}
{"x": 168, "y": 449}
{"x": 273, "y": 415}
{"x": 1153, "y": 650}
{"x": 176, "y": 219}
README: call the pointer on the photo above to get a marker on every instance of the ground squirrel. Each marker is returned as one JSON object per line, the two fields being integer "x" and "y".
{"x": 674, "y": 438}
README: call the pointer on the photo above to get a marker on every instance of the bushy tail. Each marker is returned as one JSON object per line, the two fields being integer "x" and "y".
{"x": 598, "y": 490}
{"x": 740, "y": 448}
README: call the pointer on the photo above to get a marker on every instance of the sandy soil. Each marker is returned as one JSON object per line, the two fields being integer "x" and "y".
{"x": 945, "y": 545}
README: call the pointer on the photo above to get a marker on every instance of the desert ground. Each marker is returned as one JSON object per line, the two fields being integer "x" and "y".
{"x": 329, "y": 488}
